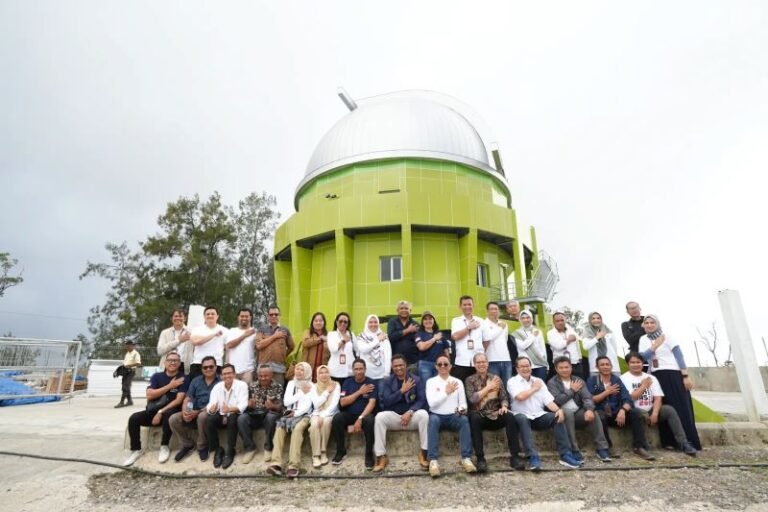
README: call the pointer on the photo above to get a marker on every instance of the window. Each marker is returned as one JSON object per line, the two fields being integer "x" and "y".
{"x": 391, "y": 268}
{"x": 482, "y": 275}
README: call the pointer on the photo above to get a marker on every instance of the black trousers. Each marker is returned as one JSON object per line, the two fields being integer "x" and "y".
{"x": 344, "y": 419}
{"x": 478, "y": 423}
{"x": 636, "y": 421}
{"x": 216, "y": 421}
{"x": 144, "y": 419}
{"x": 126, "y": 385}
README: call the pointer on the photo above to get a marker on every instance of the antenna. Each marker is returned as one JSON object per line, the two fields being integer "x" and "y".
{"x": 346, "y": 98}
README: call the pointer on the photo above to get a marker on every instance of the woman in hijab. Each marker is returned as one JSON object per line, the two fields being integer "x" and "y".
{"x": 325, "y": 400}
{"x": 295, "y": 421}
{"x": 599, "y": 341}
{"x": 314, "y": 344}
{"x": 666, "y": 363}
{"x": 530, "y": 343}
{"x": 340, "y": 345}
{"x": 374, "y": 348}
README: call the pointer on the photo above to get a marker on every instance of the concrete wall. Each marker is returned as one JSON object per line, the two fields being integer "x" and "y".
{"x": 720, "y": 379}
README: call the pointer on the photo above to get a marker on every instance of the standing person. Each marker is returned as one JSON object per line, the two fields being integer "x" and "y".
{"x": 295, "y": 421}
{"x": 401, "y": 331}
{"x": 632, "y": 329}
{"x": 513, "y": 310}
{"x": 166, "y": 389}
{"x": 495, "y": 333}
{"x": 131, "y": 361}
{"x": 430, "y": 343}
{"x": 374, "y": 348}
{"x": 240, "y": 344}
{"x": 564, "y": 342}
{"x": 273, "y": 344}
{"x": 340, "y": 345}
{"x": 314, "y": 344}
{"x": 600, "y": 342}
{"x": 359, "y": 395}
{"x": 325, "y": 403}
{"x": 265, "y": 407}
{"x": 189, "y": 425}
{"x": 176, "y": 338}
{"x": 530, "y": 344}
{"x": 489, "y": 410}
{"x": 667, "y": 364}
{"x": 447, "y": 411}
{"x": 467, "y": 335}
{"x": 229, "y": 399}
{"x": 208, "y": 340}
{"x": 647, "y": 394}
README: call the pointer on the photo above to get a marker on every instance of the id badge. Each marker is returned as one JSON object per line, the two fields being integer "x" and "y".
{"x": 471, "y": 344}
{"x": 655, "y": 363}
{"x": 342, "y": 358}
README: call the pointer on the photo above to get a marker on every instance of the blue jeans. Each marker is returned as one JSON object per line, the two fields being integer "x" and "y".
{"x": 454, "y": 422}
{"x": 543, "y": 422}
{"x": 501, "y": 368}
{"x": 426, "y": 370}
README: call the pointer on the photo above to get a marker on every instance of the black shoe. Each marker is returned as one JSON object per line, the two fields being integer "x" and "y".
{"x": 369, "y": 462}
{"x": 482, "y": 466}
{"x": 217, "y": 457}
{"x": 517, "y": 463}
{"x": 185, "y": 450}
{"x": 339, "y": 457}
{"x": 129, "y": 403}
{"x": 121, "y": 404}
{"x": 688, "y": 449}
{"x": 203, "y": 454}
{"x": 227, "y": 461}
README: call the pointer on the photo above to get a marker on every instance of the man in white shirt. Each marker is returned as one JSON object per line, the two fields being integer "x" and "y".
{"x": 647, "y": 394}
{"x": 467, "y": 336}
{"x": 176, "y": 338}
{"x": 495, "y": 334}
{"x": 208, "y": 340}
{"x": 530, "y": 397}
{"x": 229, "y": 398}
{"x": 131, "y": 361}
{"x": 240, "y": 344}
{"x": 564, "y": 342}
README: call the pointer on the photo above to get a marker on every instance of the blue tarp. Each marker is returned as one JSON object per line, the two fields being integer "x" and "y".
{"x": 11, "y": 387}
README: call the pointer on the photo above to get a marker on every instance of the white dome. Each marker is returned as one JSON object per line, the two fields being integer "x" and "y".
{"x": 399, "y": 125}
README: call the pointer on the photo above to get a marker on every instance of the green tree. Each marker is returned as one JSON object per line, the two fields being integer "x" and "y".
{"x": 6, "y": 279}
{"x": 204, "y": 253}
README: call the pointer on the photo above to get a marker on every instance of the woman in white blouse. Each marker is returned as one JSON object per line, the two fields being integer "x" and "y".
{"x": 295, "y": 421}
{"x": 325, "y": 401}
{"x": 340, "y": 345}
{"x": 599, "y": 341}
{"x": 374, "y": 348}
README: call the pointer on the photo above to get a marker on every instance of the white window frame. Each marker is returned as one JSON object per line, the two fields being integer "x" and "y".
{"x": 395, "y": 262}
{"x": 483, "y": 276}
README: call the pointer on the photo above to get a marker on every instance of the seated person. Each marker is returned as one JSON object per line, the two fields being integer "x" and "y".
{"x": 647, "y": 394}
{"x": 571, "y": 395}
{"x": 534, "y": 408}
{"x": 358, "y": 409}
{"x": 403, "y": 407}
{"x": 189, "y": 425}
{"x": 295, "y": 421}
{"x": 447, "y": 411}
{"x": 615, "y": 407}
{"x": 489, "y": 410}
{"x": 265, "y": 407}
{"x": 325, "y": 403}
{"x": 171, "y": 384}
{"x": 229, "y": 398}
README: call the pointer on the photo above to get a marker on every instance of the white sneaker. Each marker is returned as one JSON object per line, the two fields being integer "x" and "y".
{"x": 165, "y": 454}
{"x": 434, "y": 469}
{"x": 135, "y": 454}
{"x": 468, "y": 466}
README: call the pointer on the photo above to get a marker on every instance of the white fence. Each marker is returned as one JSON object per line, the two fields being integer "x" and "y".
{"x": 38, "y": 368}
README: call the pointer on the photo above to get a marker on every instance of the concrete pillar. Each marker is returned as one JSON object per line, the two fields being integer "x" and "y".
{"x": 744, "y": 357}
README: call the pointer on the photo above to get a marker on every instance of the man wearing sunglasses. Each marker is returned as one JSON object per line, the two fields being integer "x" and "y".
{"x": 189, "y": 424}
{"x": 170, "y": 383}
{"x": 273, "y": 344}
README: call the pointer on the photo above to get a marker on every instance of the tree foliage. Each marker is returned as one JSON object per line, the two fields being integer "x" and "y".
{"x": 6, "y": 279}
{"x": 204, "y": 253}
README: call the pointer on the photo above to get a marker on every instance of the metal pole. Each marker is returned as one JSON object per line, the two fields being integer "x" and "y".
{"x": 74, "y": 370}
{"x": 696, "y": 347}
{"x": 744, "y": 357}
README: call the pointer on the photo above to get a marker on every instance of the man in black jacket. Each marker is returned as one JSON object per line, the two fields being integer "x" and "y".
{"x": 632, "y": 329}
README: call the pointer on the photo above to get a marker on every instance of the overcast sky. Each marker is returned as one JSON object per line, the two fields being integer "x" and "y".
{"x": 634, "y": 135}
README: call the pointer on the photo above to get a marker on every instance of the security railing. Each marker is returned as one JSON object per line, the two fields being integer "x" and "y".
{"x": 38, "y": 368}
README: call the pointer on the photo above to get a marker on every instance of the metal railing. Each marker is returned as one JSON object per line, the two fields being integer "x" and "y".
{"x": 43, "y": 367}
{"x": 540, "y": 287}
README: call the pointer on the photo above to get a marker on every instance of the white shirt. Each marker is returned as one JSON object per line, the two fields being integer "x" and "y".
{"x": 296, "y": 400}
{"x": 236, "y": 396}
{"x": 663, "y": 359}
{"x": 496, "y": 335}
{"x": 558, "y": 342}
{"x": 532, "y": 344}
{"x": 534, "y": 405}
{"x": 337, "y": 368}
{"x": 442, "y": 403}
{"x": 645, "y": 402}
{"x": 464, "y": 354}
{"x": 377, "y": 356}
{"x": 214, "y": 347}
{"x": 590, "y": 344}
{"x": 331, "y": 398}
{"x": 242, "y": 356}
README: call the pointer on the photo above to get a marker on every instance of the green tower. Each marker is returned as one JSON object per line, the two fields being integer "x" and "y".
{"x": 400, "y": 202}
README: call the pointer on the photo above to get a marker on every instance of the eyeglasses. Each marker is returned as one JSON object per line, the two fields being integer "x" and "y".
{"x": 443, "y": 365}
{"x": 208, "y": 367}
{"x": 273, "y": 314}
{"x": 173, "y": 361}
{"x": 342, "y": 321}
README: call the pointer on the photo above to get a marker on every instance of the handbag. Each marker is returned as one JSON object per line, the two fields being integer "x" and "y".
{"x": 154, "y": 406}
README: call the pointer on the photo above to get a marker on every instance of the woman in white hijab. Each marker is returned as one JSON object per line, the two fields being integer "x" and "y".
{"x": 373, "y": 346}
{"x": 295, "y": 421}
{"x": 530, "y": 343}
{"x": 599, "y": 341}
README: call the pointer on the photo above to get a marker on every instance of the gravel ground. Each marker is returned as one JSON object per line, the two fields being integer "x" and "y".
{"x": 680, "y": 489}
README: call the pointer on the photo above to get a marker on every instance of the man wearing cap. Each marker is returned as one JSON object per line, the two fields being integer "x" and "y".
{"x": 131, "y": 361}
{"x": 401, "y": 331}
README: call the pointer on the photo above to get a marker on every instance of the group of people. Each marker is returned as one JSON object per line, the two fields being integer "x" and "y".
{"x": 413, "y": 377}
